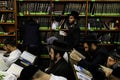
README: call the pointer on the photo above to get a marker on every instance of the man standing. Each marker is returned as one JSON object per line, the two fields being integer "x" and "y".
{"x": 72, "y": 34}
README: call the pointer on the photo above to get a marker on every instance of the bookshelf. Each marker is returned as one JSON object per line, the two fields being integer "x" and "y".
{"x": 99, "y": 12}
{"x": 8, "y": 18}
{"x": 103, "y": 20}
{"x": 103, "y": 13}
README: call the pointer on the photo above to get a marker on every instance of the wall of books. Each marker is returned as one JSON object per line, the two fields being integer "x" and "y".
{"x": 7, "y": 20}
{"x": 100, "y": 17}
{"x": 103, "y": 20}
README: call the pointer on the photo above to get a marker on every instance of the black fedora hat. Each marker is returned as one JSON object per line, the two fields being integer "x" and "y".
{"x": 75, "y": 14}
{"x": 60, "y": 45}
{"x": 114, "y": 54}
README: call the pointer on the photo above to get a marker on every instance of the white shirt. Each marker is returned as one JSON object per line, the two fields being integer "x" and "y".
{"x": 5, "y": 62}
{"x": 14, "y": 55}
{"x": 53, "y": 77}
{"x": 8, "y": 76}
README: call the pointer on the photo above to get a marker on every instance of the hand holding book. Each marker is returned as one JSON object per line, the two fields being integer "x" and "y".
{"x": 77, "y": 56}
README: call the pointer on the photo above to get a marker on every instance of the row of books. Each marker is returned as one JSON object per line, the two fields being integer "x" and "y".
{"x": 34, "y": 8}
{"x": 93, "y": 23}
{"x": 66, "y": 8}
{"x": 56, "y": 8}
{"x": 102, "y": 24}
{"x": 108, "y": 38}
{"x": 7, "y": 5}
{"x": 7, "y": 17}
{"x": 79, "y": 7}
{"x": 44, "y": 22}
{"x": 104, "y": 8}
{"x": 103, "y": 38}
{"x": 116, "y": 38}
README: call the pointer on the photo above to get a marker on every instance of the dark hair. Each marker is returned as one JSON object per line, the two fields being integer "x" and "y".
{"x": 10, "y": 41}
{"x": 115, "y": 55}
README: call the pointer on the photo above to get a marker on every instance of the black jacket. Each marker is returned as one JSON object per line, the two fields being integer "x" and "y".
{"x": 31, "y": 33}
{"x": 62, "y": 68}
{"x": 73, "y": 36}
{"x": 99, "y": 57}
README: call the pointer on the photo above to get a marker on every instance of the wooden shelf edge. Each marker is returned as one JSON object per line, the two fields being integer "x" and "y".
{"x": 33, "y": 0}
{"x": 104, "y": 1}
{"x": 6, "y": 10}
{"x": 44, "y": 56}
{"x": 6, "y": 23}
{"x": 103, "y": 30}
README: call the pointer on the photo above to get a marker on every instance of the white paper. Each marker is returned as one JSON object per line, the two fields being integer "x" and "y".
{"x": 83, "y": 76}
{"x": 3, "y": 65}
{"x": 28, "y": 56}
{"x": 15, "y": 69}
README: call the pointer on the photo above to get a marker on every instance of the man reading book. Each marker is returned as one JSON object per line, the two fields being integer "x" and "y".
{"x": 59, "y": 66}
{"x": 14, "y": 54}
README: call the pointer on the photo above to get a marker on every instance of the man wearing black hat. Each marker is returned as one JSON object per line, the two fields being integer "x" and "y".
{"x": 98, "y": 56}
{"x": 59, "y": 65}
{"x": 72, "y": 35}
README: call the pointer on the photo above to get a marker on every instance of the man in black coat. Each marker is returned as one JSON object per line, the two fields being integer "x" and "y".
{"x": 72, "y": 35}
{"x": 31, "y": 37}
{"x": 98, "y": 57}
{"x": 59, "y": 66}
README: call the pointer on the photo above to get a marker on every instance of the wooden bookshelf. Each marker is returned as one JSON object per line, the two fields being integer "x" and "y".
{"x": 106, "y": 12}
{"x": 6, "y": 10}
{"x": 8, "y": 19}
{"x": 85, "y": 13}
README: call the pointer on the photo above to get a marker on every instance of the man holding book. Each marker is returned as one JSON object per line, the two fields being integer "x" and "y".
{"x": 7, "y": 60}
{"x": 59, "y": 66}
{"x": 72, "y": 34}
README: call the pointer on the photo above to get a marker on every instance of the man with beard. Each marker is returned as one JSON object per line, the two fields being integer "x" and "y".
{"x": 58, "y": 65}
{"x": 72, "y": 34}
{"x": 98, "y": 57}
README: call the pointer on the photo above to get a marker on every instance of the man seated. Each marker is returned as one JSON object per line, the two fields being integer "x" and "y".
{"x": 112, "y": 66}
{"x": 12, "y": 56}
{"x": 58, "y": 65}
{"x": 34, "y": 73}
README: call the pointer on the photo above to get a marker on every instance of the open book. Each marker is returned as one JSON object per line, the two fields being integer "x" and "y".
{"x": 82, "y": 73}
{"x": 75, "y": 54}
{"x": 107, "y": 70}
{"x": 15, "y": 70}
{"x": 27, "y": 58}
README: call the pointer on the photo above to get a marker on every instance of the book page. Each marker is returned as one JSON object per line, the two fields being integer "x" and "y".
{"x": 83, "y": 71}
{"x": 75, "y": 54}
{"x": 83, "y": 76}
{"x": 3, "y": 65}
{"x": 15, "y": 69}
{"x": 28, "y": 56}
